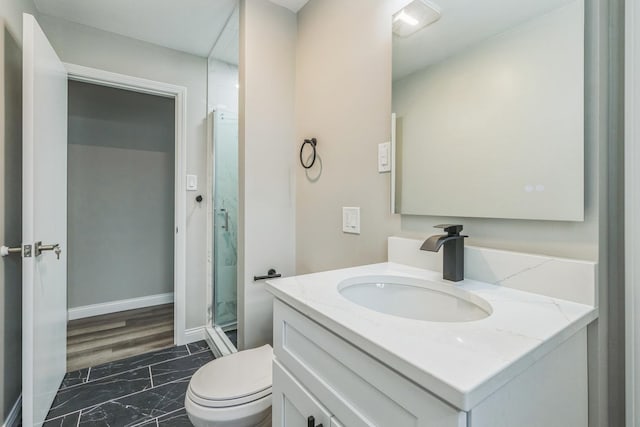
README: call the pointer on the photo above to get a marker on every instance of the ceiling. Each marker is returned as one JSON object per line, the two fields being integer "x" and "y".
{"x": 227, "y": 46}
{"x": 188, "y": 25}
{"x": 198, "y": 27}
{"x": 462, "y": 24}
{"x": 293, "y": 5}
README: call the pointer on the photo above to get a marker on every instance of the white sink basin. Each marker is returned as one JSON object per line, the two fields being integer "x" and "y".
{"x": 414, "y": 298}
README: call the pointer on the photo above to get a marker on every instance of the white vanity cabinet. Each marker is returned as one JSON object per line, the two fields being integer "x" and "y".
{"x": 317, "y": 373}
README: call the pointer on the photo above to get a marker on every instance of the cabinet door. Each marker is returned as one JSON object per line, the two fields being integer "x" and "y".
{"x": 293, "y": 405}
{"x": 335, "y": 422}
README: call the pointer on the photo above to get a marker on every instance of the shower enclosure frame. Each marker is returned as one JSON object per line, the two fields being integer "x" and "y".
{"x": 218, "y": 341}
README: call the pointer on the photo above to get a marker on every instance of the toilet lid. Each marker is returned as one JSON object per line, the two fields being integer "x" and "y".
{"x": 235, "y": 379}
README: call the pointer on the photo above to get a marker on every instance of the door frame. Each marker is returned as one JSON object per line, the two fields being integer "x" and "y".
{"x": 218, "y": 341}
{"x": 179, "y": 94}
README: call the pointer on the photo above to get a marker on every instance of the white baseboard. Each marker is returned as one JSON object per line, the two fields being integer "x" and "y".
{"x": 13, "y": 419}
{"x": 194, "y": 334}
{"x": 116, "y": 306}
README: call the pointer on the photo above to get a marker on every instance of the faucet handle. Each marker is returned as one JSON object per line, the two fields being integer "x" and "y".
{"x": 451, "y": 229}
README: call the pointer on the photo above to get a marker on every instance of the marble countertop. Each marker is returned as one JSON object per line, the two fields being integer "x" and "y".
{"x": 462, "y": 363}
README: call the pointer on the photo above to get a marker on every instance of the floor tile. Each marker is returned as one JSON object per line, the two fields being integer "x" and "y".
{"x": 184, "y": 367}
{"x": 196, "y": 347}
{"x": 136, "y": 408}
{"x": 70, "y": 420}
{"x": 75, "y": 378}
{"x": 75, "y": 398}
{"x": 233, "y": 337}
{"x": 123, "y": 393}
{"x": 176, "y": 419}
{"x": 135, "y": 362}
{"x": 151, "y": 423}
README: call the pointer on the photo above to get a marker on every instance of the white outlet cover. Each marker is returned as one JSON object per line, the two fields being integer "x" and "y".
{"x": 351, "y": 220}
{"x": 384, "y": 157}
{"x": 192, "y": 182}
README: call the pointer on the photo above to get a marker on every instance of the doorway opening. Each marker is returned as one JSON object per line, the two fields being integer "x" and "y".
{"x": 121, "y": 223}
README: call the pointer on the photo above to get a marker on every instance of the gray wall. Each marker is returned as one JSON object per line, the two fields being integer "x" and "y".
{"x": 615, "y": 230}
{"x": 11, "y": 199}
{"x": 79, "y": 44}
{"x": 343, "y": 98}
{"x": 120, "y": 194}
{"x": 351, "y": 118}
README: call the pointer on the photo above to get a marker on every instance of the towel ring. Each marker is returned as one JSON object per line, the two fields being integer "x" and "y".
{"x": 313, "y": 143}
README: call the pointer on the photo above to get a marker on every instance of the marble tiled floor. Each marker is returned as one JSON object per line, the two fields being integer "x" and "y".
{"x": 233, "y": 336}
{"x": 145, "y": 390}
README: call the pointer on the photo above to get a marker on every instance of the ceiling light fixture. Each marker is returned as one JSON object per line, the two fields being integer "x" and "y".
{"x": 415, "y": 16}
{"x": 407, "y": 19}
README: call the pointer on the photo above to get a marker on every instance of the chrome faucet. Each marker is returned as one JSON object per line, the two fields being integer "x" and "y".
{"x": 453, "y": 241}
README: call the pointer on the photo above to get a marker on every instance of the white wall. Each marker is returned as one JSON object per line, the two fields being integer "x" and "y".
{"x": 267, "y": 132}
{"x": 87, "y": 46}
{"x": 11, "y": 199}
{"x": 120, "y": 194}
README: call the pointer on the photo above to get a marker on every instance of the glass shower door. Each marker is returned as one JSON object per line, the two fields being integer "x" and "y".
{"x": 225, "y": 222}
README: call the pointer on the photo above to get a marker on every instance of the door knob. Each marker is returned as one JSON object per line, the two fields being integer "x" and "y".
{"x": 311, "y": 422}
{"x": 39, "y": 248}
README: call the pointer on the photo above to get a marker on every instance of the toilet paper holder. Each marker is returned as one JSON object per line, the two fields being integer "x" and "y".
{"x": 271, "y": 274}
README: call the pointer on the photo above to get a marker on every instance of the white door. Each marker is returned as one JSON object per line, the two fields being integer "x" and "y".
{"x": 44, "y": 219}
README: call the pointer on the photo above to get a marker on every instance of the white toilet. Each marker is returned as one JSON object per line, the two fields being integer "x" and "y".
{"x": 232, "y": 391}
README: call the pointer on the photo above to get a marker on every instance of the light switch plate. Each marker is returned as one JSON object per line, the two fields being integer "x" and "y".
{"x": 351, "y": 220}
{"x": 192, "y": 182}
{"x": 384, "y": 157}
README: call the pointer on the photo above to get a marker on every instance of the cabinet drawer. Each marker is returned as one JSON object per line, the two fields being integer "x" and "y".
{"x": 355, "y": 388}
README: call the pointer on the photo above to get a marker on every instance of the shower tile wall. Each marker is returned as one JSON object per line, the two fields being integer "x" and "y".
{"x": 223, "y": 99}
{"x": 226, "y": 229}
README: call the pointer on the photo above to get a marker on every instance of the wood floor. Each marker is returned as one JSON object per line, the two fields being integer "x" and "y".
{"x": 101, "y": 339}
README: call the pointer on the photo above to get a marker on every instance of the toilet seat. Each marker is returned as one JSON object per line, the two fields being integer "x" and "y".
{"x": 228, "y": 403}
{"x": 234, "y": 380}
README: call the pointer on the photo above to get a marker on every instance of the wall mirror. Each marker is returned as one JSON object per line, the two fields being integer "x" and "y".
{"x": 488, "y": 103}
